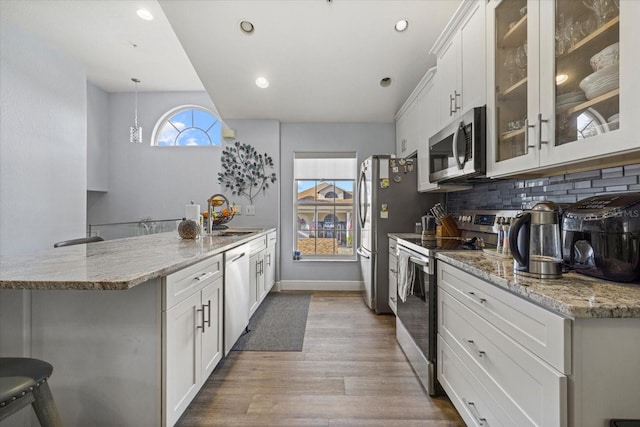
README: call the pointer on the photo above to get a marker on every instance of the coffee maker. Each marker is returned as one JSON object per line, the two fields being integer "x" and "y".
{"x": 535, "y": 242}
{"x": 601, "y": 236}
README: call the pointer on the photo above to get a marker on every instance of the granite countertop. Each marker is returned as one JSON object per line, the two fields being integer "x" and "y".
{"x": 574, "y": 295}
{"x": 113, "y": 264}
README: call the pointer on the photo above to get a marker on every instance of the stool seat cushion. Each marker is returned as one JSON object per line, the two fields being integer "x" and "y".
{"x": 19, "y": 374}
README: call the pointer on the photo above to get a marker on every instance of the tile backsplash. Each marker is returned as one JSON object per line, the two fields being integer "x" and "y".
{"x": 522, "y": 193}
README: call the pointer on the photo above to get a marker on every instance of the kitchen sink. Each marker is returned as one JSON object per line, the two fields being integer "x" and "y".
{"x": 228, "y": 233}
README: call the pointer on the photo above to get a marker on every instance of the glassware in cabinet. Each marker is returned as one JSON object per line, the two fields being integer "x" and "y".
{"x": 511, "y": 59}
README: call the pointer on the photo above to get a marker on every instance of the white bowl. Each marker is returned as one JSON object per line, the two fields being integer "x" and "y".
{"x": 600, "y": 82}
{"x": 606, "y": 57}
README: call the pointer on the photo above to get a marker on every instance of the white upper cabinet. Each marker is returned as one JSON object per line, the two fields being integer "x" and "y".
{"x": 407, "y": 129}
{"x": 428, "y": 125}
{"x": 562, "y": 89}
{"x": 461, "y": 60}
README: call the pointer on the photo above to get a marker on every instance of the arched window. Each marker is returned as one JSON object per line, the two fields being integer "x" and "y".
{"x": 188, "y": 125}
{"x": 331, "y": 195}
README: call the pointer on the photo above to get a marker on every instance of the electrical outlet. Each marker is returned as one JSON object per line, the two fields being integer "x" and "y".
{"x": 249, "y": 210}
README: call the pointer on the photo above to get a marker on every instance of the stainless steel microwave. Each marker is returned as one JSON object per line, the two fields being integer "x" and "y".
{"x": 458, "y": 151}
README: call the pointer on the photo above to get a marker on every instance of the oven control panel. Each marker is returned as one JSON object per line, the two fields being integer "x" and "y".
{"x": 486, "y": 221}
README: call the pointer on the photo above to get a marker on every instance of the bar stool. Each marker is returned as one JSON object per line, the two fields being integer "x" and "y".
{"x": 23, "y": 381}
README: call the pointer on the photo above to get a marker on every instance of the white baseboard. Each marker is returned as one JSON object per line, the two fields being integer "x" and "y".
{"x": 319, "y": 285}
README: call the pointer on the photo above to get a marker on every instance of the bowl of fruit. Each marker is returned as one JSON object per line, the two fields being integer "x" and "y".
{"x": 220, "y": 211}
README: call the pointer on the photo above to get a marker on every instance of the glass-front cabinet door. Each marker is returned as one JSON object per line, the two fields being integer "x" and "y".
{"x": 587, "y": 69}
{"x": 562, "y": 76}
{"x": 513, "y": 79}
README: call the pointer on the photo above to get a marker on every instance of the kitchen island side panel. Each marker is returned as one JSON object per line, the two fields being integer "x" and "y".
{"x": 105, "y": 348}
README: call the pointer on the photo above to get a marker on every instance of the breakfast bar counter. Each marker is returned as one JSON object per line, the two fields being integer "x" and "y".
{"x": 121, "y": 320}
{"x": 115, "y": 264}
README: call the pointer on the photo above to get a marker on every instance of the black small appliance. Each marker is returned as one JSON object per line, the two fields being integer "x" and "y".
{"x": 601, "y": 236}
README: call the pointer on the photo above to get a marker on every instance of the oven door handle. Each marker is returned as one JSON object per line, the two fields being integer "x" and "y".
{"x": 419, "y": 261}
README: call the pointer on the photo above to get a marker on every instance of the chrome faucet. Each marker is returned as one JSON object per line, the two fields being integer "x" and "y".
{"x": 210, "y": 215}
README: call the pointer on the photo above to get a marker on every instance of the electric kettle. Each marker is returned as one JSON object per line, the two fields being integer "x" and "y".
{"x": 535, "y": 242}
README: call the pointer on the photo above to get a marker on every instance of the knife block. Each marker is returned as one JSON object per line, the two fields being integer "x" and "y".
{"x": 448, "y": 227}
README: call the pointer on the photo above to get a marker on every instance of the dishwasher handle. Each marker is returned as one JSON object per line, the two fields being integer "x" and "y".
{"x": 238, "y": 257}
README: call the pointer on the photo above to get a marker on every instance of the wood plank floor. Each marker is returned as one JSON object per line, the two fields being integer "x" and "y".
{"x": 351, "y": 372}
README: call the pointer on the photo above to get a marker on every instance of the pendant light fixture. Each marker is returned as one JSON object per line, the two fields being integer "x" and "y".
{"x": 135, "y": 131}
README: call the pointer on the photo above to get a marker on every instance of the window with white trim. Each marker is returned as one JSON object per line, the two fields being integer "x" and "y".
{"x": 324, "y": 205}
{"x": 188, "y": 126}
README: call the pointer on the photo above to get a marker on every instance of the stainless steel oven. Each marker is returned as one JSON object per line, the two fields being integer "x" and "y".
{"x": 458, "y": 151}
{"x": 416, "y": 313}
{"x": 416, "y": 322}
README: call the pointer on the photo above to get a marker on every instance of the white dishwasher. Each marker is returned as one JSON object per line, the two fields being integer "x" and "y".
{"x": 236, "y": 294}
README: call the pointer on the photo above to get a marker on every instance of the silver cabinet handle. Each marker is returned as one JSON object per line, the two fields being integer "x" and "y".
{"x": 456, "y": 95}
{"x": 201, "y": 310}
{"x": 540, "y": 122}
{"x": 208, "y": 321}
{"x": 474, "y": 412}
{"x": 451, "y": 110}
{"x": 477, "y": 298}
{"x": 472, "y": 345}
{"x": 204, "y": 276}
{"x": 526, "y": 136}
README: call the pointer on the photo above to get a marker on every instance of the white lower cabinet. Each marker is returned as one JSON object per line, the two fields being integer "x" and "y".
{"x": 507, "y": 356}
{"x": 257, "y": 255}
{"x": 192, "y": 342}
{"x": 270, "y": 263}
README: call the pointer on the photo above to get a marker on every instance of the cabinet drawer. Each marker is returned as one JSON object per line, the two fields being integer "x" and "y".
{"x": 393, "y": 246}
{"x": 272, "y": 238}
{"x": 393, "y": 264}
{"x": 545, "y": 334}
{"x": 181, "y": 284}
{"x": 475, "y": 405}
{"x": 529, "y": 390}
{"x": 258, "y": 244}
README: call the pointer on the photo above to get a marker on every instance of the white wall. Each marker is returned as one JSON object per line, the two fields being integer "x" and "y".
{"x": 97, "y": 138}
{"x": 364, "y": 138}
{"x": 43, "y": 152}
{"x": 43, "y": 166}
{"x": 158, "y": 182}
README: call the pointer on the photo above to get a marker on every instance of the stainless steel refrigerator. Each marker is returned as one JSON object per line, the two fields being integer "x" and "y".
{"x": 388, "y": 202}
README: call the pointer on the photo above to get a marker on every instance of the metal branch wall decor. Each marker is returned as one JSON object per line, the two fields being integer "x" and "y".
{"x": 244, "y": 170}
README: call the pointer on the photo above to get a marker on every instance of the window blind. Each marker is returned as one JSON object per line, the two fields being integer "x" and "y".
{"x": 325, "y": 166}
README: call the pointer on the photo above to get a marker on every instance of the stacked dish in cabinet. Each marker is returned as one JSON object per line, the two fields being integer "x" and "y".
{"x": 587, "y": 48}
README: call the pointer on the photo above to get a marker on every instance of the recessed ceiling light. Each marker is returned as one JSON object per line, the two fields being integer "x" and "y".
{"x": 144, "y": 14}
{"x": 401, "y": 25}
{"x": 385, "y": 82}
{"x": 246, "y": 27}
{"x": 561, "y": 78}
{"x": 262, "y": 82}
